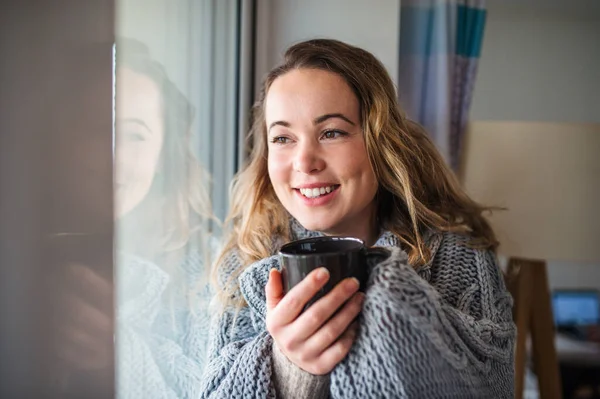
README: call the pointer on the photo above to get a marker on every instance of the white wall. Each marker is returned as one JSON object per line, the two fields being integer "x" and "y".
{"x": 540, "y": 61}
{"x": 372, "y": 25}
{"x": 546, "y": 175}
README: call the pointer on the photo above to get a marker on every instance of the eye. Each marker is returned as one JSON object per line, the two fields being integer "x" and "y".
{"x": 333, "y": 134}
{"x": 280, "y": 140}
{"x": 134, "y": 136}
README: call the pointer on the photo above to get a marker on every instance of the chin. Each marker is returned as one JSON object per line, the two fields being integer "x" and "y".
{"x": 314, "y": 224}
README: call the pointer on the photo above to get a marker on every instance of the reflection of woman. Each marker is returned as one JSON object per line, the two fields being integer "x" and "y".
{"x": 161, "y": 207}
{"x": 334, "y": 155}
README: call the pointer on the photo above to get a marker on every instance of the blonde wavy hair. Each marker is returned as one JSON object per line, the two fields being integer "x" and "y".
{"x": 179, "y": 194}
{"x": 417, "y": 190}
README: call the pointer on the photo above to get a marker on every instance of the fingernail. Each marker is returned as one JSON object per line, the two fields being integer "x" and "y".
{"x": 322, "y": 274}
{"x": 352, "y": 285}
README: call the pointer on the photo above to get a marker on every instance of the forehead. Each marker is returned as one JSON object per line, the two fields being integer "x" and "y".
{"x": 310, "y": 93}
{"x": 137, "y": 93}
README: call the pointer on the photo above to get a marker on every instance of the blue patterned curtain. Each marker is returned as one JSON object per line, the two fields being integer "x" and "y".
{"x": 440, "y": 42}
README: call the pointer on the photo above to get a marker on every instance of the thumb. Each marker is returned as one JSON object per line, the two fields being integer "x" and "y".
{"x": 274, "y": 289}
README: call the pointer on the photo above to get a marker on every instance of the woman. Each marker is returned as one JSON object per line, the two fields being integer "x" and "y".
{"x": 333, "y": 155}
{"x": 162, "y": 210}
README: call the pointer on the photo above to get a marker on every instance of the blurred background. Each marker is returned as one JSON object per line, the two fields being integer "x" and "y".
{"x": 122, "y": 123}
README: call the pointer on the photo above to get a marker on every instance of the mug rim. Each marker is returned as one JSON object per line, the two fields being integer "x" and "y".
{"x": 282, "y": 249}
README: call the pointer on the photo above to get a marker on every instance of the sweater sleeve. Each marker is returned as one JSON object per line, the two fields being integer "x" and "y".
{"x": 444, "y": 332}
{"x": 243, "y": 361}
{"x": 291, "y": 382}
{"x": 239, "y": 358}
{"x": 160, "y": 346}
{"x": 246, "y": 364}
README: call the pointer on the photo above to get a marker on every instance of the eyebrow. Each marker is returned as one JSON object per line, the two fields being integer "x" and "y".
{"x": 138, "y": 122}
{"x": 316, "y": 121}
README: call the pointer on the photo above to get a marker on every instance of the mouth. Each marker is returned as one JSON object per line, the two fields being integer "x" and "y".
{"x": 317, "y": 192}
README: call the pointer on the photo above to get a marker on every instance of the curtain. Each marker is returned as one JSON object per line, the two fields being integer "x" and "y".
{"x": 440, "y": 43}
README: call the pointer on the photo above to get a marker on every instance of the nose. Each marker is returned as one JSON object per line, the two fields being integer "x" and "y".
{"x": 308, "y": 158}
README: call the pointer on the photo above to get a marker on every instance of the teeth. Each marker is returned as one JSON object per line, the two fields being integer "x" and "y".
{"x": 316, "y": 192}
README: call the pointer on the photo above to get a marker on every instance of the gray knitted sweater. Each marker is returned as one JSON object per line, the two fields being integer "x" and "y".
{"x": 442, "y": 331}
{"x": 161, "y": 346}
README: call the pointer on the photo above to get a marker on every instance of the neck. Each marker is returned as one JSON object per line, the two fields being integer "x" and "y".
{"x": 367, "y": 232}
{"x": 140, "y": 231}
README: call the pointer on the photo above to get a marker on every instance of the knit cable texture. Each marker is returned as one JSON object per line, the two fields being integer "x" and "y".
{"x": 442, "y": 331}
{"x": 160, "y": 347}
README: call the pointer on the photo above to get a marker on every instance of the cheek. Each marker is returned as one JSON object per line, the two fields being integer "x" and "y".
{"x": 278, "y": 166}
{"x": 354, "y": 163}
{"x": 137, "y": 160}
{"x": 358, "y": 168}
{"x": 369, "y": 180}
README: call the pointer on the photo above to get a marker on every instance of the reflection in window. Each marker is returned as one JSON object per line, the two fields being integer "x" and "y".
{"x": 167, "y": 149}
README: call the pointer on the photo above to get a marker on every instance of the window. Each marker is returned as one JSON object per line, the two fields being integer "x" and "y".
{"x": 143, "y": 110}
{"x": 176, "y": 152}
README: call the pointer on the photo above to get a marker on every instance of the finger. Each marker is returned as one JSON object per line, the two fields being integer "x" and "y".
{"x": 336, "y": 352}
{"x": 274, "y": 289}
{"x": 79, "y": 348}
{"x": 87, "y": 316}
{"x": 78, "y": 337}
{"x": 294, "y": 301}
{"x": 83, "y": 358}
{"x": 330, "y": 332}
{"x": 93, "y": 287}
{"x": 322, "y": 310}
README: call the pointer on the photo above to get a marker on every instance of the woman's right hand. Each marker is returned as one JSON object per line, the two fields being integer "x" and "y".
{"x": 313, "y": 340}
{"x": 87, "y": 331}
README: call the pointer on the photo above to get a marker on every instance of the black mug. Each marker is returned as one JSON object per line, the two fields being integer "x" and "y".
{"x": 343, "y": 256}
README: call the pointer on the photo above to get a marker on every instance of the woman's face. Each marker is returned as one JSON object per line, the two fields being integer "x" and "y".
{"x": 140, "y": 135}
{"x": 317, "y": 159}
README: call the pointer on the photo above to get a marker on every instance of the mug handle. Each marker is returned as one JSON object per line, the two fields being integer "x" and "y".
{"x": 378, "y": 254}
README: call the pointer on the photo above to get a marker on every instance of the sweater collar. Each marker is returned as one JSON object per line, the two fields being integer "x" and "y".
{"x": 386, "y": 238}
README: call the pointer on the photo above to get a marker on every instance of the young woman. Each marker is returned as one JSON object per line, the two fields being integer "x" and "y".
{"x": 334, "y": 155}
{"x": 162, "y": 208}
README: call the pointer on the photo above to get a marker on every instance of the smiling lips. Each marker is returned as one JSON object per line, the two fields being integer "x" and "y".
{"x": 317, "y": 195}
{"x": 317, "y": 191}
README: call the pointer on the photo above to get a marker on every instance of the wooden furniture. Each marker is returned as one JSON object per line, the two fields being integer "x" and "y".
{"x": 527, "y": 281}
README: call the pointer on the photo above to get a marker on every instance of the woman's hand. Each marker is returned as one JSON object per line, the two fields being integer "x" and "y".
{"x": 87, "y": 333}
{"x": 314, "y": 340}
